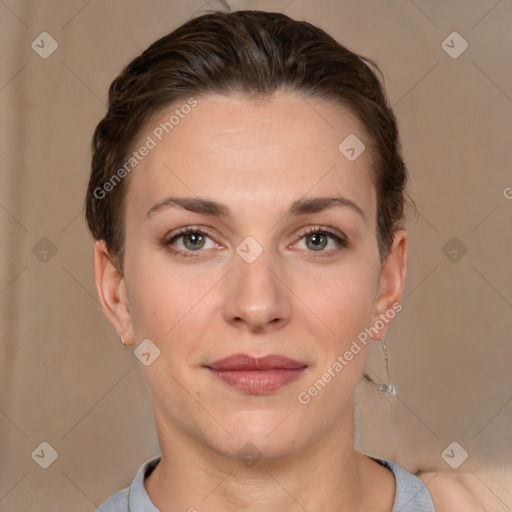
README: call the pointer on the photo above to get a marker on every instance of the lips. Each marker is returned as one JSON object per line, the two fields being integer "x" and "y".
{"x": 245, "y": 362}
{"x": 257, "y": 375}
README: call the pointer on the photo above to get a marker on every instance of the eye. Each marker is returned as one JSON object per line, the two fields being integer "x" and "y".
{"x": 191, "y": 240}
{"x": 317, "y": 239}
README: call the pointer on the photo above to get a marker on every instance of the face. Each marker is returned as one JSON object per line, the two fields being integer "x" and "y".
{"x": 267, "y": 268}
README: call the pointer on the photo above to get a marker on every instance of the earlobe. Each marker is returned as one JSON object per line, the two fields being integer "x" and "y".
{"x": 110, "y": 286}
{"x": 392, "y": 281}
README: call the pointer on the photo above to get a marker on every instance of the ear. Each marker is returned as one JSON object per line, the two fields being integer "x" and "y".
{"x": 392, "y": 282}
{"x": 111, "y": 289}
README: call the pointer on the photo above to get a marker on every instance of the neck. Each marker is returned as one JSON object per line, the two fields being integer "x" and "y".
{"x": 192, "y": 476}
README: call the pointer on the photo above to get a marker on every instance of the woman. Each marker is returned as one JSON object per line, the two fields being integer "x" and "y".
{"x": 247, "y": 200}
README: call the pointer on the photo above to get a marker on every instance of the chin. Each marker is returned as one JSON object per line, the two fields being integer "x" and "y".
{"x": 262, "y": 435}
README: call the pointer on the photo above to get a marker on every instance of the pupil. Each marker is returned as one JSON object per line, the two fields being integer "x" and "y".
{"x": 195, "y": 238}
{"x": 322, "y": 238}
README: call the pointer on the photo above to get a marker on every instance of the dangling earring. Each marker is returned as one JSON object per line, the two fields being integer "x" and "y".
{"x": 389, "y": 387}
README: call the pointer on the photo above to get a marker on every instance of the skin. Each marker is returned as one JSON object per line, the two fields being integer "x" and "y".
{"x": 488, "y": 489}
{"x": 256, "y": 157}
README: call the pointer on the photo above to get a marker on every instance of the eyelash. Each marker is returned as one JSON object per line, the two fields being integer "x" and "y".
{"x": 341, "y": 242}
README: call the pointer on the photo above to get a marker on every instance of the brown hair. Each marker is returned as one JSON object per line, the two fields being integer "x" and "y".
{"x": 250, "y": 52}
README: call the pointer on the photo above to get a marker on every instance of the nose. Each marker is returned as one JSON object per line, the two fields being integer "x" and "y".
{"x": 256, "y": 295}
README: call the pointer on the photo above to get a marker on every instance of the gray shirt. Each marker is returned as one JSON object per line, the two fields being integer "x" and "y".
{"x": 411, "y": 494}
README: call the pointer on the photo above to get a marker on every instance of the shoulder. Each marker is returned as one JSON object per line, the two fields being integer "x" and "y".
{"x": 134, "y": 497}
{"x": 458, "y": 491}
{"x": 410, "y": 493}
{"x": 118, "y": 502}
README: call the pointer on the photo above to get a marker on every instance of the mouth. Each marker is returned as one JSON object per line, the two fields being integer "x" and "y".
{"x": 257, "y": 375}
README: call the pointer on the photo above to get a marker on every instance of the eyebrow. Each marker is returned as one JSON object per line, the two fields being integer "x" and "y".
{"x": 298, "y": 207}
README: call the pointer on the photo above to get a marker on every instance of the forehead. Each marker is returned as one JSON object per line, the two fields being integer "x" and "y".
{"x": 253, "y": 152}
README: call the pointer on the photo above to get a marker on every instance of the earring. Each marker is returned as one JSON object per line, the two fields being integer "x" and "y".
{"x": 389, "y": 387}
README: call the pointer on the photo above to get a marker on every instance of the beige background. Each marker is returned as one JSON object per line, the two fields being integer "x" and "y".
{"x": 65, "y": 377}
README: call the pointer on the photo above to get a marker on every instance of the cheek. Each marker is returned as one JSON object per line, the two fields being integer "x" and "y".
{"x": 169, "y": 301}
{"x": 344, "y": 302}
{"x": 342, "y": 296}
{"x": 166, "y": 301}
{"x": 349, "y": 305}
